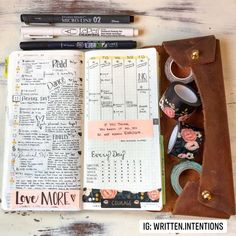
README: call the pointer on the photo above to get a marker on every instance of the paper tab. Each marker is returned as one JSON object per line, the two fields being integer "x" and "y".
{"x": 120, "y": 129}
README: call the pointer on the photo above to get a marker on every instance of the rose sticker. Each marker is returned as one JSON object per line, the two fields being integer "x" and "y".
{"x": 188, "y": 135}
{"x": 169, "y": 112}
{"x": 154, "y": 195}
{"x": 108, "y": 193}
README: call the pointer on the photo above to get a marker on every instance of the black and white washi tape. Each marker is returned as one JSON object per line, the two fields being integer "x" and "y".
{"x": 179, "y": 101}
{"x": 175, "y": 73}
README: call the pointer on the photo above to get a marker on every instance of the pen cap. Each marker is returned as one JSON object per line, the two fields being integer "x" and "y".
{"x": 136, "y": 32}
{"x": 40, "y": 18}
{"x": 36, "y": 32}
{"x": 127, "y": 44}
{"x": 131, "y": 19}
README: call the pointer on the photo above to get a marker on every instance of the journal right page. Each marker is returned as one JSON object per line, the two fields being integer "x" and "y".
{"x": 122, "y": 161}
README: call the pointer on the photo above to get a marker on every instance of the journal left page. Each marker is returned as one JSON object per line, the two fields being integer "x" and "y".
{"x": 42, "y": 165}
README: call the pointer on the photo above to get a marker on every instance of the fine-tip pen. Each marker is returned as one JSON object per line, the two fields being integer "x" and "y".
{"x": 50, "y": 45}
{"x": 52, "y": 31}
{"x": 74, "y": 18}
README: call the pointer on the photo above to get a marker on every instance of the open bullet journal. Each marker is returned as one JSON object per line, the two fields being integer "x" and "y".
{"x": 82, "y": 131}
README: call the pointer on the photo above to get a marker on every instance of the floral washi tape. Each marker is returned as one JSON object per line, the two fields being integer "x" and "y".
{"x": 176, "y": 73}
{"x": 179, "y": 169}
{"x": 179, "y": 101}
{"x": 105, "y": 196}
{"x": 185, "y": 141}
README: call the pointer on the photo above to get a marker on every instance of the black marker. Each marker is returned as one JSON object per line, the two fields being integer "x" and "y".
{"x": 82, "y": 19}
{"x": 47, "y": 45}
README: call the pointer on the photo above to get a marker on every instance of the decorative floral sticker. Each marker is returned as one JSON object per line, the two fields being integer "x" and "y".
{"x": 154, "y": 195}
{"x": 188, "y": 142}
{"x": 108, "y": 193}
{"x": 97, "y": 195}
{"x": 188, "y": 135}
{"x": 170, "y": 112}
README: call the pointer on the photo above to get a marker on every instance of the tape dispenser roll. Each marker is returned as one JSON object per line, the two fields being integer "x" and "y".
{"x": 185, "y": 141}
{"x": 179, "y": 169}
{"x": 176, "y": 73}
{"x": 179, "y": 101}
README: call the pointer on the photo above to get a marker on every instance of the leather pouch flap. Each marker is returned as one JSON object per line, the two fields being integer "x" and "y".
{"x": 216, "y": 176}
{"x": 181, "y": 50}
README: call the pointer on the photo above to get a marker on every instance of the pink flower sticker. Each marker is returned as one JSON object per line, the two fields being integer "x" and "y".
{"x": 188, "y": 135}
{"x": 192, "y": 145}
{"x": 108, "y": 193}
{"x": 154, "y": 195}
{"x": 169, "y": 112}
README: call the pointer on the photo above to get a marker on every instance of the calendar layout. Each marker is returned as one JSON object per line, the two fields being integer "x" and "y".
{"x": 120, "y": 88}
{"x": 121, "y": 128}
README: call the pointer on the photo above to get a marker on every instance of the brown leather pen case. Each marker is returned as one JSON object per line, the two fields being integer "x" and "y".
{"x": 216, "y": 177}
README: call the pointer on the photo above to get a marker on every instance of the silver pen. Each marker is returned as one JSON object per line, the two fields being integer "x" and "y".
{"x": 51, "y": 31}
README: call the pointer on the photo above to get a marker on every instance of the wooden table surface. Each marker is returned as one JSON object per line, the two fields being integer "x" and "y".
{"x": 160, "y": 20}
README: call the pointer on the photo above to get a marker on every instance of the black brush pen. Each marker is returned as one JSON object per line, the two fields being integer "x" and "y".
{"x": 47, "y": 45}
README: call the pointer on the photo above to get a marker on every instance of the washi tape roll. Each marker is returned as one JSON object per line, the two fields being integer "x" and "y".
{"x": 179, "y": 101}
{"x": 185, "y": 141}
{"x": 176, "y": 73}
{"x": 179, "y": 169}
